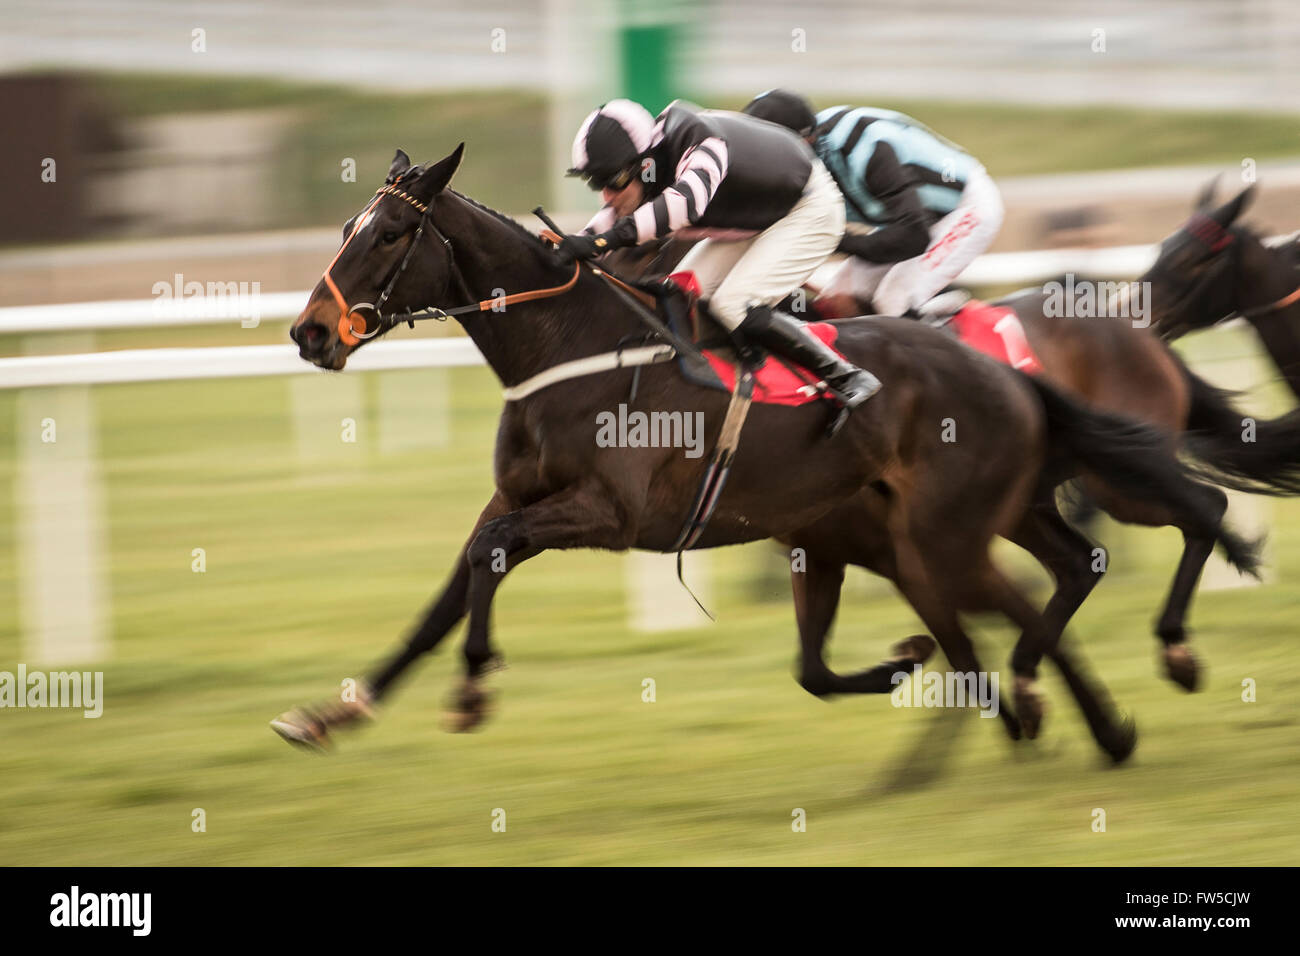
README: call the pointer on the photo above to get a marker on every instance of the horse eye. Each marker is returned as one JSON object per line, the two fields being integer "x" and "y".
{"x": 391, "y": 237}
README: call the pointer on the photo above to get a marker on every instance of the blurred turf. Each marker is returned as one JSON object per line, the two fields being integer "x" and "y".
{"x": 319, "y": 558}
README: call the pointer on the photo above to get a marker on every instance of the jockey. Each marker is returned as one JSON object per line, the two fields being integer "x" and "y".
{"x": 933, "y": 206}
{"x": 768, "y": 210}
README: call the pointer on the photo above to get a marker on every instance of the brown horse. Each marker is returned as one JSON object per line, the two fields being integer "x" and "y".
{"x": 938, "y": 502}
{"x": 1119, "y": 365}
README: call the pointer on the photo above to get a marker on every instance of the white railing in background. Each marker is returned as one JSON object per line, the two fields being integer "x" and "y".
{"x": 997, "y": 268}
{"x": 239, "y": 361}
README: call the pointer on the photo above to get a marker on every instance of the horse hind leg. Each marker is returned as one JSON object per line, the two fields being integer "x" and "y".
{"x": 1115, "y": 735}
{"x": 1068, "y": 557}
{"x": 1181, "y": 665}
{"x": 937, "y": 607}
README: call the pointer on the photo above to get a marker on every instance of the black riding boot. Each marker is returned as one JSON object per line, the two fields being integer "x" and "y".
{"x": 790, "y": 339}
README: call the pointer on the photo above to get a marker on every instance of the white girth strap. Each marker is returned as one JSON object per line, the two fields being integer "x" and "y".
{"x": 604, "y": 362}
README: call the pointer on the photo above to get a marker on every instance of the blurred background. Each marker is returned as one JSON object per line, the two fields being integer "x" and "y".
{"x": 227, "y": 533}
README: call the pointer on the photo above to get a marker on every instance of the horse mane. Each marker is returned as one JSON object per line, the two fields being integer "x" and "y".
{"x": 414, "y": 172}
{"x": 1289, "y": 249}
{"x": 518, "y": 227}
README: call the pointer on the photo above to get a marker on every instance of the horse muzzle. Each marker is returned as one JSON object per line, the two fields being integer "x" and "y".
{"x": 319, "y": 344}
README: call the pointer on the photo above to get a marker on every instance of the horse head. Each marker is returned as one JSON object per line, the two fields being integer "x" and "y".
{"x": 1195, "y": 280}
{"x": 367, "y": 276}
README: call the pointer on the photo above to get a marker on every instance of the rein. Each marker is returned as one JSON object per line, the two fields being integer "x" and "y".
{"x": 348, "y": 333}
{"x": 385, "y": 321}
{"x": 1289, "y": 299}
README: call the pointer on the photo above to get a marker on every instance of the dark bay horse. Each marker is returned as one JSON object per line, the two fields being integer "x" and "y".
{"x": 1115, "y": 365}
{"x": 929, "y": 499}
{"x": 1212, "y": 269}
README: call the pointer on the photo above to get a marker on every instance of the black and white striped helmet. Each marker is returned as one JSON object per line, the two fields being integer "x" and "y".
{"x": 611, "y": 139}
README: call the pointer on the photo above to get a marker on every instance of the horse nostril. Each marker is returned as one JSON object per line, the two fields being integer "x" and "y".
{"x": 309, "y": 335}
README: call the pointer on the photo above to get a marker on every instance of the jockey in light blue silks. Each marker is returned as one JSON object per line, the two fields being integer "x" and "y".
{"x": 919, "y": 208}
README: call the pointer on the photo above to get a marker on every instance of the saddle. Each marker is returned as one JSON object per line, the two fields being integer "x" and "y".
{"x": 993, "y": 330}
{"x": 745, "y": 372}
{"x": 775, "y": 381}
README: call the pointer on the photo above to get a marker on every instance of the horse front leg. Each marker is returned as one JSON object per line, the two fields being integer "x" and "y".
{"x": 310, "y": 726}
{"x": 577, "y": 517}
{"x": 816, "y": 598}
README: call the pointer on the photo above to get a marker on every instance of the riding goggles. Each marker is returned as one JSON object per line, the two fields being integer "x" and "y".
{"x": 617, "y": 181}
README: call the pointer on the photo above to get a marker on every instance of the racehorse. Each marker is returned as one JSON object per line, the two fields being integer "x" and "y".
{"x": 1115, "y": 365}
{"x": 940, "y": 502}
{"x": 1212, "y": 269}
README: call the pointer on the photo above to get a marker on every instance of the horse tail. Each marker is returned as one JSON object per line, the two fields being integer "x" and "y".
{"x": 1138, "y": 461}
{"x": 1237, "y": 451}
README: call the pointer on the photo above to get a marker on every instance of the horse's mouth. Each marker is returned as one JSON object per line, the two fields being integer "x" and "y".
{"x": 332, "y": 358}
{"x": 336, "y": 358}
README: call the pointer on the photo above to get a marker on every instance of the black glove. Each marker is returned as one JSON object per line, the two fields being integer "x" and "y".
{"x": 855, "y": 245}
{"x": 892, "y": 243}
{"x": 580, "y": 246}
{"x": 586, "y": 246}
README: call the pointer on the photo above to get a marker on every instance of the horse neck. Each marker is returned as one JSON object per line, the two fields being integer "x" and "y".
{"x": 1266, "y": 276}
{"x": 522, "y": 339}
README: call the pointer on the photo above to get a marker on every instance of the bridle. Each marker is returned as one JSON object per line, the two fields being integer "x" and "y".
{"x": 1206, "y": 232}
{"x": 385, "y": 321}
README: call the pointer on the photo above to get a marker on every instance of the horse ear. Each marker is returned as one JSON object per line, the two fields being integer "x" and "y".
{"x": 436, "y": 178}
{"x": 1227, "y": 214}
{"x": 401, "y": 163}
{"x": 1205, "y": 198}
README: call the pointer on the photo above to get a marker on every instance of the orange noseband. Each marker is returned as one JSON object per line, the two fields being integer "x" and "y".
{"x": 348, "y": 333}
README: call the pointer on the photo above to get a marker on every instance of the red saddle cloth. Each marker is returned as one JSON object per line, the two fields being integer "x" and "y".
{"x": 774, "y": 383}
{"x": 996, "y": 331}
{"x": 991, "y": 329}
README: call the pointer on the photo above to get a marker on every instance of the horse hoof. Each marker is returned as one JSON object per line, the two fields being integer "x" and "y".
{"x": 303, "y": 729}
{"x": 470, "y": 706}
{"x": 1124, "y": 742}
{"x": 1029, "y": 707}
{"x": 1181, "y": 667}
{"x": 915, "y": 649}
{"x": 309, "y": 727}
